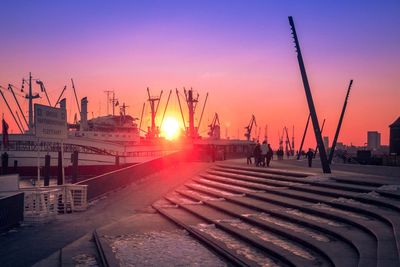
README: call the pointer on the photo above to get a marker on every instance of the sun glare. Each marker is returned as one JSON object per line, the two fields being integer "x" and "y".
{"x": 170, "y": 128}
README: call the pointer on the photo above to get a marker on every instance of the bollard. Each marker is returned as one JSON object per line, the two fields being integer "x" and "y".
{"x": 117, "y": 161}
{"x": 59, "y": 169}
{"x": 47, "y": 170}
{"x": 74, "y": 161}
{"x": 4, "y": 163}
{"x": 15, "y": 170}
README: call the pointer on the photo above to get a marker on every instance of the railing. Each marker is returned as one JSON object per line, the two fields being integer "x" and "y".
{"x": 41, "y": 204}
{"x": 105, "y": 183}
{"x": 44, "y": 203}
{"x": 11, "y": 210}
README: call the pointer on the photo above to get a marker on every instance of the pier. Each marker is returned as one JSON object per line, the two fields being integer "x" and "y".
{"x": 229, "y": 213}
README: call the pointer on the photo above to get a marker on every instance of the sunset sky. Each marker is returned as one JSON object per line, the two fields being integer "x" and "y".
{"x": 241, "y": 52}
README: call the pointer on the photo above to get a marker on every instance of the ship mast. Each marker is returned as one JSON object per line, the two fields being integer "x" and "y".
{"x": 30, "y": 97}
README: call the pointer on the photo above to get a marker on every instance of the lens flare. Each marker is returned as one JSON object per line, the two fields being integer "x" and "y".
{"x": 170, "y": 128}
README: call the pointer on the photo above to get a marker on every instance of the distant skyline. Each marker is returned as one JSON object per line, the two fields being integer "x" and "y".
{"x": 241, "y": 52}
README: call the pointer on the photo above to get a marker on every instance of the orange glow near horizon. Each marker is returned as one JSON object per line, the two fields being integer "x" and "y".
{"x": 242, "y": 57}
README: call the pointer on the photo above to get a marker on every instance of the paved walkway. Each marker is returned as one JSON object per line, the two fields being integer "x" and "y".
{"x": 337, "y": 168}
{"x": 27, "y": 245}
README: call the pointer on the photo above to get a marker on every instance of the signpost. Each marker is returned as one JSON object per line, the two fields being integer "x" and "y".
{"x": 51, "y": 123}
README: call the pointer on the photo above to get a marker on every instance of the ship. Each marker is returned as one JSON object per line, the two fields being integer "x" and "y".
{"x": 102, "y": 143}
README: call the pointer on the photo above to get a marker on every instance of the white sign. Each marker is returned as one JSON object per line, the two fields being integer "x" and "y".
{"x": 50, "y": 122}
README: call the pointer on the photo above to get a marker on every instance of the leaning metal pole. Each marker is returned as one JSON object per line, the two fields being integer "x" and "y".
{"x": 322, "y": 153}
{"x": 322, "y": 130}
{"x": 304, "y": 137}
{"x": 339, "y": 124}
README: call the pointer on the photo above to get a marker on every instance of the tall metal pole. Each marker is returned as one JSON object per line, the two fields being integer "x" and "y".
{"x": 322, "y": 130}
{"x": 324, "y": 160}
{"x": 339, "y": 124}
{"x": 30, "y": 97}
{"x": 304, "y": 136}
{"x": 191, "y": 113}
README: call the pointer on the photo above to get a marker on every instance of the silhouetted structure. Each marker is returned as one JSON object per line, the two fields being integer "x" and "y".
{"x": 332, "y": 151}
{"x": 322, "y": 153}
{"x": 394, "y": 142}
{"x": 373, "y": 140}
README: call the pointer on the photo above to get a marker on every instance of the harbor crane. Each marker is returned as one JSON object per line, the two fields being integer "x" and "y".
{"x": 154, "y": 102}
{"x": 192, "y": 100}
{"x": 214, "y": 128}
{"x": 250, "y": 127}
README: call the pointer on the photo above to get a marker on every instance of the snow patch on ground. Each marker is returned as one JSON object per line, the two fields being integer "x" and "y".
{"x": 161, "y": 248}
{"x": 392, "y": 187}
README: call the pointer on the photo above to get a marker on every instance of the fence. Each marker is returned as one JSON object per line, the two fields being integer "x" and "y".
{"x": 102, "y": 184}
{"x": 11, "y": 210}
{"x": 44, "y": 203}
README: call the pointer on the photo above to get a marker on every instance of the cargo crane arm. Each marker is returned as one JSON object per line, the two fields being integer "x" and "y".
{"x": 12, "y": 113}
{"x": 202, "y": 111}
{"x": 215, "y": 122}
{"x": 250, "y": 127}
{"x": 165, "y": 109}
{"x": 62, "y": 92}
{"x": 43, "y": 89}
{"x": 10, "y": 87}
{"x": 180, "y": 107}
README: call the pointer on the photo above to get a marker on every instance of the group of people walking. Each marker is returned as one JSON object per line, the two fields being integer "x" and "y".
{"x": 262, "y": 154}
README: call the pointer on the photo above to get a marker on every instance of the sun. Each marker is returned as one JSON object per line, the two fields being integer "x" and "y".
{"x": 170, "y": 128}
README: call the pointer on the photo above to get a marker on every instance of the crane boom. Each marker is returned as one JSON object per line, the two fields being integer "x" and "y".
{"x": 76, "y": 97}
{"x": 62, "y": 92}
{"x": 16, "y": 100}
{"x": 165, "y": 110}
{"x": 180, "y": 107}
{"x": 43, "y": 89}
{"x": 202, "y": 111}
{"x": 9, "y": 108}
